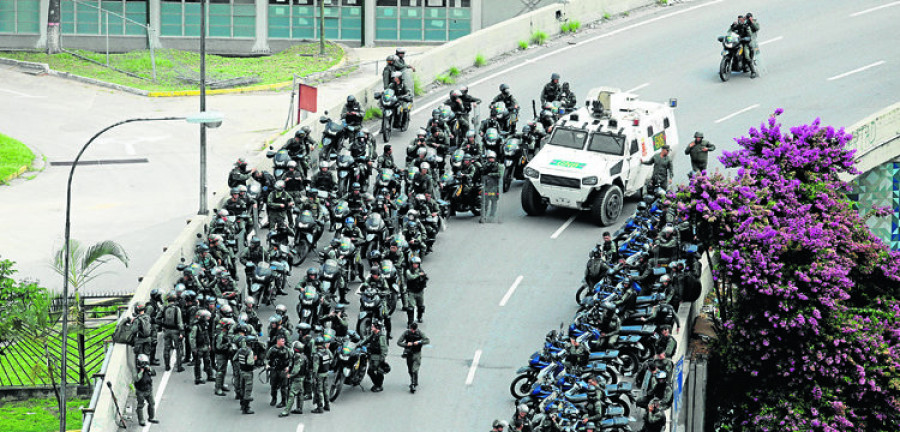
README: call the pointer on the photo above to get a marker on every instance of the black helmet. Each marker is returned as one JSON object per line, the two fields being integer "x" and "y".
{"x": 464, "y": 89}
{"x": 503, "y": 88}
{"x": 155, "y": 294}
{"x": 274, "y": 319}
{"x": 642, "y": 205}
{"x": 698, "y": 134}
{"x": 313, "y": 271}
{"x": 306, "y": 130}
{"x": 351, "y": 99}
{"x": 455, "y": 93}
{"x": 255, "y": 241}
{"x": 297, "y": 346}
{"x": 299, "y": 133}
{"x": 554, "y": 76}
{"x": 400, "y": 51}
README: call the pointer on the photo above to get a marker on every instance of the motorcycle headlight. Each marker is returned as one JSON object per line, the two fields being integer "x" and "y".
{"x": 531, "y": 172}
{"x": 589, "y": 181}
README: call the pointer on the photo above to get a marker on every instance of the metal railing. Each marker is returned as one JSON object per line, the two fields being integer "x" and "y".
{"x": 99, "y": 377}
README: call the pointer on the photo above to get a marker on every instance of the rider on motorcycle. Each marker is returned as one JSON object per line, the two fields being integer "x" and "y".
{"x": 507, "y": 98}
{"x": 551, "y": 90}
{"x": 324, "y": 179}
{"x": 299, "y": 148}
{"x": 352, "y": 112}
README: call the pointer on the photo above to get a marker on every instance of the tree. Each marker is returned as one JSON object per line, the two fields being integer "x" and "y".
{"x": 84, "y": 264}
{"x": 23, "y": 304}
{"x": 53, "y": 27}
{"x": 809, "y": 329}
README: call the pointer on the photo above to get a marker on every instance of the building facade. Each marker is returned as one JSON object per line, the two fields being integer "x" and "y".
{"x": 237, "y": 26}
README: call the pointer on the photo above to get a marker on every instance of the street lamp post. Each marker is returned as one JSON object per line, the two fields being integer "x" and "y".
{"x": 203, "y": 206}
{"x": 213, "y": 119}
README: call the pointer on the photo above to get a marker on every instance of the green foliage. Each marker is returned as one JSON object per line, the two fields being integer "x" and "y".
{"x": 480, "y": 60}
{"x": 626, "y": 13}
{"x": 84, "y": 262}
{"x": 570, "y": 26}
{"x": 301, "y": 59}
{"x": 523, "y": 44}
{"x": 13, "y": 156}
{"x": 606, "y": 15}
{"x": 453, "y": 72}
{"x": 22, "y": 303}
{"x": 539, "y": 37}
{"x": 663, "y": 2}
{"x": 444, "y": 79}
{"x": 418, "y": 88}
{"x": 40, "y": 415}
{"x": 372, "y": 112}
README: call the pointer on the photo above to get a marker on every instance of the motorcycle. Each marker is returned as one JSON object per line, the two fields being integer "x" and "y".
{"x": 307, "y": 232}
{"x": 350, "y": 365}
{"x": 344, "y": 170}
{"x": 376, "y": 233}
{"x": 394, "y": 113}
{"x": 369, "y": 309}
{"x": 514, "y": 161}
{"x": 332, "y": 282}
{"x": 732, "y": 54}
{"x": 332, "y": 136}
{"x": 462, "y": 199}
{"x": 280, "y": 160}
{"x": 308, "y": 306}
{"x": 268, "y": 279}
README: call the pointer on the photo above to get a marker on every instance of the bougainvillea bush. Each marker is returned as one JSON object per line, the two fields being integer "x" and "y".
{"x": 809, "y": 317}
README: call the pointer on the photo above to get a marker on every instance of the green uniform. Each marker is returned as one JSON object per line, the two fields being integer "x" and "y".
{"x": 416, "y": 281}
{"x": 278, "y": 205}
{"x": 143, "y": 386}
{"x": 200, "y": 346}
{"x": 412, "y": 343}
{"x": 223, "y": 351}
{"x": 654, "y": 421}
{"x": 245, "y": 361}
{"x": 377, "y": 347}
{"x": 173, "y": 332}
{"x": 321, "y": 363}
{"x": 662, "y": 170}
{"x": 144, "y": 330}
{"x": 699, "y": 157}
{"x": 153, "y": 308}
{"x": 299, "y": 370}
{"x": 278, "y": 361}
{"x": 491, "y": 178}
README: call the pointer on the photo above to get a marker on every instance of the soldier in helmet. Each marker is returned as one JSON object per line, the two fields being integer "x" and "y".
{"x": 246, "y": 361}
{"x": 551, "y": 90}
{"x": 412, "y": 342}
{"x": 171, "y": 320}
{"x": 143, "y": 386}
{"x": 499, "y": 425}
{"x": 698, "y": 150}
{"x": 299, "y": 148}
{"x": 321, "y": 362}
{"x": 224, "y": 351}
{"x": 278, "y": 359}
{"x": 153, "y": 307}
{"x": 416, "y": 282}
{"x": 298, "y": 370}
{"x": 279, "y": 205}
{"x": 276, "y": 330}
{"x": 200, "y": 346}
{"x": 239, "y": 174}
{"x": 377, "y": 346}
{"x": 143, "y": 330}
{"x": 507, "y": 98}
{"x": 490, "y": 174}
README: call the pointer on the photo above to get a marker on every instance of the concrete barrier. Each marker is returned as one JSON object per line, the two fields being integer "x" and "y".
{"x": 876, "y": 139}
{"x": 490, "y": 42}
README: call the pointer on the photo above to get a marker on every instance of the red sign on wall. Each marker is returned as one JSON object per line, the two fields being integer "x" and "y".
{"x": 307, "y": 100}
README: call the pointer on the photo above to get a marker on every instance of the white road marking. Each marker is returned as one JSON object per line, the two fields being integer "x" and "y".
{"x": 568, "y": 47}
{"x": 511, "y": 290}
{"x": 774, "y": 39}
{"x": 162, "y": 386}
{"x": 737, "y": 113}
{"x": 300, "y": 427}
{"x": 20, "y": 94}
{"x": 863, "y": 12}
{"x": 837, "y": 77}
{"x": 471, "y": 377}
{"x": 129, "y": 149}
{"x": 637, "y": 88}
{"x": 559, "y": 231}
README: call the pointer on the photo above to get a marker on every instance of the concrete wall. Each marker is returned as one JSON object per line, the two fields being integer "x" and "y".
{"x": 876, "y": 139}
{"x": 489, "y": 42}
{"x": 497, "y": 11}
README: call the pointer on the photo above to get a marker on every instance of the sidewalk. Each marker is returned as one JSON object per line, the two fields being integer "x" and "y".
{"x": 143, "y": 202}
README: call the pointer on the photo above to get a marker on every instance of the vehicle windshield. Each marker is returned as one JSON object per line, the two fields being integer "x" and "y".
{"x": 607, "y": 144}
{"x": 568, "y": 138}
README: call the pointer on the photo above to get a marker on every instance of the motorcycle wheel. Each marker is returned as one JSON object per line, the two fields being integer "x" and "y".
{"x": 405, "y": 124}
{"x": 520, "y": 386}
{"x": 725, "y": 68}
{"x": 629, "y": 361}
{"x": 610, "y": 377}
{"x": 618, "y": 401}
{"x": 508, "y": 178}
{"x": 364, "y": 327}
{"x": 393, "y": 303}
{"x": 336, "y": 386}
{"x": 645, "y": 354}
{"x": 386, "y": 129}
{"x": 582, "y": 292}
{"x": 300, "y": 256}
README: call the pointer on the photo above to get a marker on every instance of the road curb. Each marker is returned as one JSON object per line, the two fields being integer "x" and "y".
{"x": 15, "y": 174}
{"x": 261, "y": 87}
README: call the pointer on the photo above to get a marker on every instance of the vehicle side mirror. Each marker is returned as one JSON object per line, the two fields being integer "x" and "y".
{"x": 721, "y": 38}
{"x": 377, "y": 95}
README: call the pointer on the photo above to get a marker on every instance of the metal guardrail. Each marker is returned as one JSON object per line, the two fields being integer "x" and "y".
{"x": 99, "y": 377}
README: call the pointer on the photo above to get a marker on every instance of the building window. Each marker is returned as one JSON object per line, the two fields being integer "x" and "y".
{"x": 225, "y": 18}
{"x": 20, "y": 17}
{"x": 94, "y": 17}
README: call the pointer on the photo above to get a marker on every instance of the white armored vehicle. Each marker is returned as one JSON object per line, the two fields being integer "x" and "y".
{"x": 594, "y": 155}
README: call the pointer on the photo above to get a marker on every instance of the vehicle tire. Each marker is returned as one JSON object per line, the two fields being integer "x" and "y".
{"x": 725, "y": 68}
{"x": 364, "y": 326}
{"x": 508, "y": 178}
{"x": 629, "y": 362}
{"x": 521, "y": 386}
{"x": 405, "y": 124}
{"x": 531, "y": 200}
{"x": 607, "y": 207}
{"x": 386, "y": 129}
{"x": 582, "y": 292}
{"x": 645, "y": 354}
{"x": 618, "y": 401}
{"x": 336, "y": 386}
{"x": 610, "y": 377}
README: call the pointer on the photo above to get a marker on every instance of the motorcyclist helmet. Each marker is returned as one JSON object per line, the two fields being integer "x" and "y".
{"x": 242, "y": 189}
{"x": 491, "y": 136}
{"x": 143, "y": 360}
{"x": 189, "y": 295}
{"x": 490, "y": 155}
{"x": 436, "y": 113}
{"x": 464, "y": 90}
{"x": 292, "y": 164}
{"x": 455, "y": 94}
{"x": 350, "y": 222}
{"x": 279, "y": 185}
{"x": 642, "y": 206}
{"x": 155, "y": 294}
{"x": 203, "y": 247}
{"x": 171, "y": 296}
{"x": 250, "y": 339}
{"x": 249, "y": 301}
{"x": 281, "y": 310}
{"x": 504, "y": 88}
{"x": 227, "y": 323}
{"x": 204, "y": 314}
{"x": 401, "y": 51}
{"x": 274, "y": 320}
{"x": 526, "y": 129}
{"x": 297, "y": 346}
{"x": 665, "y": 279}
{"x": 235, "y": 191}
{"x": 140, "y": 307}
{"x": 374, "y": 255}
{"x": 415, "y": 260}
{"x": 241, "y": 162}
{"x": 425, "y": 166}
{"x": 396, "y": 75}
{"x": 227, "y": 311}
{"x": 320, "y": 340}
{"x": 390, "y": 58}
{"x": 554, "y": 77}
{"x": 351, "y": 99}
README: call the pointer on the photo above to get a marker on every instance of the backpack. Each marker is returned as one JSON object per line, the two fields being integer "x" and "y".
{"x": 125, "y": 331}
{"x": 171, "y": 316}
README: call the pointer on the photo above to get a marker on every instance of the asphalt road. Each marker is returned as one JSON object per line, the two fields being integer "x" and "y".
{"x": 808, "y": 50}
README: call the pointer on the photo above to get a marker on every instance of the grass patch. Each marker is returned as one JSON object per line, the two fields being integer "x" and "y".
{"x": 570, "y": 27}
{"x": 24, "y": 364}
{"x": 372, "y": 112}
{"x": 480, "y": 60}
{"x": 606, "y": 16}
{"x": 40, "y": 415}
{"x": 444, "y": 79}
{"x": 453, "y": 72}
{"x": 538, "y": 38}
{"x": 13, "y": 155}
{"x": 626, "y": 13}
{"x": 523, "y": 44}
{"x": 300, "y": 59}
{"x": 418, "y": 88}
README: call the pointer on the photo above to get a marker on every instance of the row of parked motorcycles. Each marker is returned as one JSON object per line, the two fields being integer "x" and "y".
{"x": 619, "y": 320}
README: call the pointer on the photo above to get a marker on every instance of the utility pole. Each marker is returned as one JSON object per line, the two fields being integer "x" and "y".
{"x": 321, "y": 27}
{"x": 203, "y": 209}
{"x": 53, "y": 30}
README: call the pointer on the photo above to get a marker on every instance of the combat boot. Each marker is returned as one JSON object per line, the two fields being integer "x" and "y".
{"x": 274, "y": 399}
{"x": 318, "y": 410}
{"x": 327, "y": 405}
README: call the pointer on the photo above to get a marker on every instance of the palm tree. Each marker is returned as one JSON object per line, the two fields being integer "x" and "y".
{"x": 84, "y": 262}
